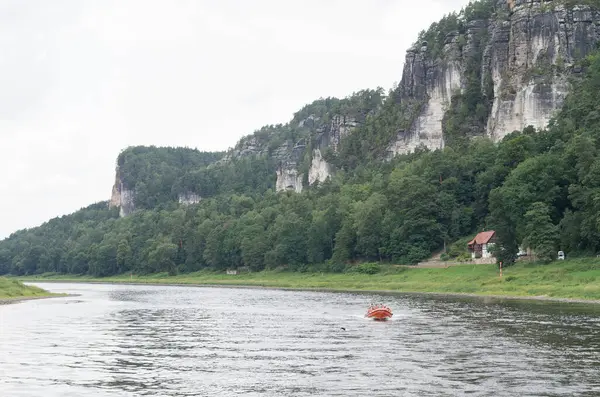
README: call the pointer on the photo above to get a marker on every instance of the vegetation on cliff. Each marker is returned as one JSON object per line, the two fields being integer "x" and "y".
{"x": 158, "y": 175}
{"x": 535, "y": 187}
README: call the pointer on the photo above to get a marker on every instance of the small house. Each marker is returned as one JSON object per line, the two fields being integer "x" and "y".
{"x": 480, "y": 246}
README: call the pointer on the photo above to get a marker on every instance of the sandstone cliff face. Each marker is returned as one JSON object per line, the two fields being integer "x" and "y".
{"x": 526, "y": 50}
{"x": 432, "y": 84}
{"x": 339, "y": 127}
{"x": 288, "y": 175}
{"x": 322, "y": 135}
{"x": 319, "y": 170}
{"x": 329, "y": 137}
{"x": 530, "y": 57}
{"x": 189, "y": 198}
{"x": 288, "y": 178}
{"x": 121, "y": 197}
{"x": 517, "y": 54}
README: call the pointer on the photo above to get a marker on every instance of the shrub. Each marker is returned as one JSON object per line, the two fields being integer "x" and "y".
{"x": 334, "y": 267}
{"x": 368, "y": 268}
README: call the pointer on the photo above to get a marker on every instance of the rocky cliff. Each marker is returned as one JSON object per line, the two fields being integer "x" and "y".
{"x": 322, "y": 136}
{"x": 292, "y": 158}
{"x": 493, "y": 68}
{"x": 518, "y": 54}
{"x": 188, "y": 198}
{"x": 329, "y": 137}
{"x": 298, "y": 147}
{"x": 530, "y": 57}
{"x": 147, "y": 176}
{"x": 121, "y": 197}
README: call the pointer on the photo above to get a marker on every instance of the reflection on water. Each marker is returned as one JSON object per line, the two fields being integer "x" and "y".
{"x": 178, "y": 341}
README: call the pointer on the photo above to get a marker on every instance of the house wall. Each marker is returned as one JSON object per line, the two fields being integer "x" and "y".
{"x": 477, "y": 249}
{"x": 485, "y": 253}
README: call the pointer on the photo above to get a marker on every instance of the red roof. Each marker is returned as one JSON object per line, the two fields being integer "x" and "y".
{"x": 482, "y": 238}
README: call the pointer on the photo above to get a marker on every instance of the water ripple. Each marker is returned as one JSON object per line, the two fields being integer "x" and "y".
{"x": 177, "y": 341}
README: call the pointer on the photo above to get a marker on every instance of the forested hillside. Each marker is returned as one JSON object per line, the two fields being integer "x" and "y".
{"x": 536, "y": 188}
{"x": 540, "y": 187}
{"x": 159, "y": 174}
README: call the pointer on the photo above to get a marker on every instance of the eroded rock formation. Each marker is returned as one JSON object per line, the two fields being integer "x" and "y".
{"x": 526, "y": 51}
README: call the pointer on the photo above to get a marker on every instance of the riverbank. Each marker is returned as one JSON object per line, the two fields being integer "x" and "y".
{"x": 13, "y": 291}
{"x": 575, "y": 280}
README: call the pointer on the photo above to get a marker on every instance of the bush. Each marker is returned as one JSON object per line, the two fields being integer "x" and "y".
{"x": 416, "y": 254}
{"x": 368, "y": 268}
{"x": 459, "y": 249}
{"x": 334, "y": 267}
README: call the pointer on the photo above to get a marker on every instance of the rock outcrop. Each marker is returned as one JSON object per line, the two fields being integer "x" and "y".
{"x": 289, "y": 156}
{"x": 288, "y": 178}
{"x": 525, "y": 51}
{"x": 328, "y": 137}
{"x": 435, "y": 92}
{"x": 497, "y": 67}
{"x": 340, "y": 126}
{"x": 530, "y": 58}
{"x": 121, "y": 197}
{"x": 288, "y": 175}
{"x": 319, "y": 170}
{"x": 189, "y": 198}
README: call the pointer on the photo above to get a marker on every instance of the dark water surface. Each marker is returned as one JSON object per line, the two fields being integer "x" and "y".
{"x": 180, "y": 341}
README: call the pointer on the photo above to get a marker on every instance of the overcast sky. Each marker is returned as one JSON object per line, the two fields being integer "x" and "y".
{"x": 82, "y": 79}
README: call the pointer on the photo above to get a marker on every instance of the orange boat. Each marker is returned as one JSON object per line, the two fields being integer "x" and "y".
{"x": 379, "y": 312}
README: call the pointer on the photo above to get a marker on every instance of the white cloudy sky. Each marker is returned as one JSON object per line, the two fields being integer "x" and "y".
{"x": 82, "y": 79}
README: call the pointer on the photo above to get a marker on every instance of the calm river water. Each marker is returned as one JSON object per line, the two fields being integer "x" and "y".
{"x": 184, "y": 341}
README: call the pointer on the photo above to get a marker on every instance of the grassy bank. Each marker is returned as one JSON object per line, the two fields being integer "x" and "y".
{"x": 575, "y": 279}
{"x": 15, "y": 290}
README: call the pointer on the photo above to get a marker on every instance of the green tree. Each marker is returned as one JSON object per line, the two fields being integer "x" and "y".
{"x": 540, "y": 233}
{"x": 161, "y": 256}
{"x": 124, "y": 256}
{"x": 368, "y": 218}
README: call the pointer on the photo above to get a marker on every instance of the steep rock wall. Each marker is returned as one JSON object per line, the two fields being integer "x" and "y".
{"x": 300, "y": 148}
{"x": 189, "y": 198}
{"x": 288, "y": 178}
{"x": 517, "y": 54}
{"x": 431, "y": 82}
{"x": 288, "y": 175}
{"x": 526, "y": 50}
{"x": 322, "y": 135}
{"x": 530, "y": 57}
{"x": 319, "y": 170}
{"x": 121, "y": 197}
{"x": 329, "y": 137}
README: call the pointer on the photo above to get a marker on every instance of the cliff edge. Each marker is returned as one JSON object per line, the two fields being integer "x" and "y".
{"x": 504, "y": 63}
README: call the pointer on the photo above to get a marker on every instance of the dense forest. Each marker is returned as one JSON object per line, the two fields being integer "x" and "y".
{"x": 536, "y": 188}
{"x": 158, "y": 175}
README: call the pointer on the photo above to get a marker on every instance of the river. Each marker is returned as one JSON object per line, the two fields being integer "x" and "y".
{"x": 122, "y": 340}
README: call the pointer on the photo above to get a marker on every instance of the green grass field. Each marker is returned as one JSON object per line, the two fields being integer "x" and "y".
{"x": 13, "y": 289}
{"x": 575, "y": 279}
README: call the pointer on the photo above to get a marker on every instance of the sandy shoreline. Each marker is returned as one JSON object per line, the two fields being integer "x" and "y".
{"x": 333, "y": 290}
